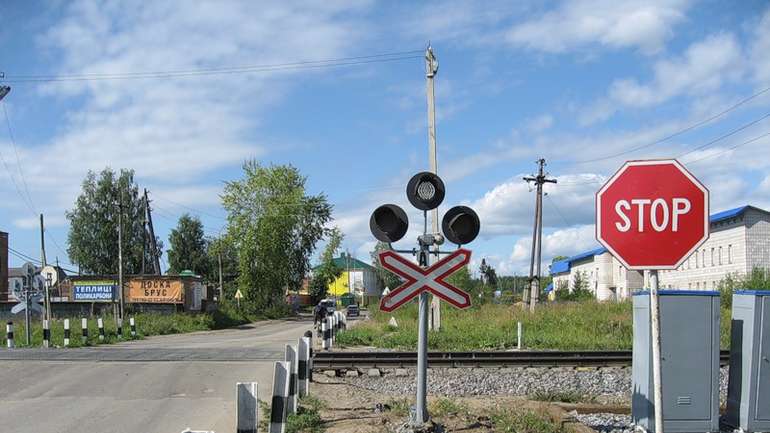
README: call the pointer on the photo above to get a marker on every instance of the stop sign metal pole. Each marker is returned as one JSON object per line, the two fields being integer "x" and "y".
{"x": 655, "y": 334}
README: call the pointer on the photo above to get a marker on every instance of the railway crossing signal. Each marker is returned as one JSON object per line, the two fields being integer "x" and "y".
{"x": 460, "y": 225}
{"x": 419, "y": 280}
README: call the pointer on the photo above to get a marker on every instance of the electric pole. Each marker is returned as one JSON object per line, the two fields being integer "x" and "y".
{"x": 221, "y": 285}
{"x": 431, "y": 69}
{"x": 47, "y": 301}
{"x": 120, "y": 255}
{"x": 537, "y": 234}
{"x": 153, "y": 241}
{"x": 144, "y": 236}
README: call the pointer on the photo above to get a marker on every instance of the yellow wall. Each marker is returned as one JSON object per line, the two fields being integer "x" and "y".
{"x": 339, "y": 286}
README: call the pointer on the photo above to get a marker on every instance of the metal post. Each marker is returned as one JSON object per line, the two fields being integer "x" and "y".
{"x": 246, "y": 406}
{"x": 120, "y": 254}
{"x": 431, "y": 69}
{"x": 421, "y": 410}
{"x": 656, "y": 369}
{"x": 27, "y": 324}
{"x": 43, "y": 264}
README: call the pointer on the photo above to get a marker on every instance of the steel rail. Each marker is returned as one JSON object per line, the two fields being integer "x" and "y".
{"x": 341, "y": 360}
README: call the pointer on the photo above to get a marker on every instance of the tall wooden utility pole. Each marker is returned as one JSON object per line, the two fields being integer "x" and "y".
{"x": 47, "y": 301}
{"x": 153, "y": 242}
{"x": 221, "y": 285}
{"x": 537, "y": 234}
{"x": 144, "y": 236}
{"x": 120, "y": 256}
{"x": 431, "y": 69}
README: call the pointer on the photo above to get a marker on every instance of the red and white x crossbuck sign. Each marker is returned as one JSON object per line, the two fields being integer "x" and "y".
{"x": 419, "y": 280}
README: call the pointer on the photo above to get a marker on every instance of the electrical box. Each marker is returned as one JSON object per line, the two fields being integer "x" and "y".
{"x": 748, "y": 391}
{"x": 689, "y": 333}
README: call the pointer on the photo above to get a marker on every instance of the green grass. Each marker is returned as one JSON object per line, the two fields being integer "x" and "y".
{"x": 559, "y": 326}
{"x": 308, "y": 417}
{"x": 510, "y": 421}
{"x": 147, "y": 324}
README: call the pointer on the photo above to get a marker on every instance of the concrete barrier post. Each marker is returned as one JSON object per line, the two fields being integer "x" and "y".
{"x": 246, "y": 407}
{"x": 9, "y": 335}
{"x": 46, "y": 333}
{"x": 84, "y": 328}
{"x": 120, "y": 328}
{"x": 326, "y": 333}
{"x": 278, "y": 412}
{"x": 100, "y": 324}
{"x": 291, "y": 359}
{"x": 303, "y": 366}
{"x": 309, "y": 335}
{"x": 132, "y": 322}
{"x": 66, "y": 332}
{"x": 334, "y": 327}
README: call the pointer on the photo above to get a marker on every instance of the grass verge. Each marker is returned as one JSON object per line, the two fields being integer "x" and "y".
{"x": 147, "y": 324}
{"x": 586, "y": 325}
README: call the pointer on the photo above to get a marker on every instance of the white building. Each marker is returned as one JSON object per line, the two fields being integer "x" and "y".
{"x": 739, "y": 241}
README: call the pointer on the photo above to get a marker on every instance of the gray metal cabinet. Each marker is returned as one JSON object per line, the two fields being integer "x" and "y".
{"x": 748, "y": 392}
{"x": 690, "y": 361}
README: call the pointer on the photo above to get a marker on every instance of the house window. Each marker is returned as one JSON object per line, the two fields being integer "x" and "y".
{"x": 712, "y": 257}
{"x": 689, "y": 285}
{"x": 720, "y": 256}
{"x": 703, "y": 258}
{"x": 697, "y": 263}
{"x": 697, "y": 286}
{"x": 730, "y": 254}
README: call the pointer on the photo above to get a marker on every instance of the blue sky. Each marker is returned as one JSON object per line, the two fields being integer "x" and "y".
{"x": 570, "y": 81}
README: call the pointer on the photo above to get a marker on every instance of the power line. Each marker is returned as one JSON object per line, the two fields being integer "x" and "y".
{"x": 722, "y": 137}
{"x": 558, "y": 211}
{"x": 308, "y": 64}
{"x": 729, "y": 148}
{"x": 679, "y": 132}
{"x": 18, "y": 160}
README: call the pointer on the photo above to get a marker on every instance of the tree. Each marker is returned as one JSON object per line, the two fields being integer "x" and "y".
{"x": 274, "y": 226}
{"x": 188, "y": 247}
{"x": 327, "y": 272}
{"x": 488, "y": 274}
{"x": 387, "y": 278}
{"x": 93, "y": 233}
{"x": 558, "y": 259}
{"x": 217, "y": 248}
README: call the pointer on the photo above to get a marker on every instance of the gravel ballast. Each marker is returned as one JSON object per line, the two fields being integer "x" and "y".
{"x": 607, "y": 385}
{"x": 607, "y": 422}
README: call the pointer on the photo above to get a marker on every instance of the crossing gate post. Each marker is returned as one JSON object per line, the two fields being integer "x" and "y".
{"x": 46, "y": 333}
{"x": 326, "y": 333}
{"x": 66, "y": 332}
{"x": 309, "y": 336}
{"x": 303, "y": 366}
{"x": 100, "y": 324}
{"x": 291, "y": 359}
{"x": 84, "y": 329}
{"x": 280, "y": 396}
{"x": 132, "y": 323}
{"x": 9, "y": 335}
{"x": 246, "y": 407}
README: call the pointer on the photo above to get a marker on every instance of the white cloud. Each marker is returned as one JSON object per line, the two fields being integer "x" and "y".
{"x": 509, "y": 207}
{"x": 645, "y": 25}
{"x": 563, "y": 242}
{"x": 704, "y": 67}
{"x": 539, "y": 123}
{"x": 759, "y": 49}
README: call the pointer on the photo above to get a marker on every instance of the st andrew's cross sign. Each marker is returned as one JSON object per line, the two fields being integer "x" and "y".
{"x": 419, "y": 280}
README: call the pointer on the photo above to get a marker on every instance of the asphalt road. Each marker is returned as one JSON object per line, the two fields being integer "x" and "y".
{"x": 159, "y": 385}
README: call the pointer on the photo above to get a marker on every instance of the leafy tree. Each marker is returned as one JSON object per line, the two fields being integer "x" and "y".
{"x": 488, "y": 274}
{"x": 558, "y": 259}
{"x": 93, "y": 233}
{"x": 580, "y": 291}
{"x": 388, "y": 279}
{"x": 188, "y": 247}
{"x": 274, "y": 226}
{"x": 327, "y": 272}
{"x": 216, "y": 248}
{"x": 757, "y": 279}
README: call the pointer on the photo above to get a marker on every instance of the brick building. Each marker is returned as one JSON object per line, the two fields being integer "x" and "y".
{"x": 739, "y": 241}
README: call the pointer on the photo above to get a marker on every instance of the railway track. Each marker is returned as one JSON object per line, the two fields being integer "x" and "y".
{"x": 342, "y": 360}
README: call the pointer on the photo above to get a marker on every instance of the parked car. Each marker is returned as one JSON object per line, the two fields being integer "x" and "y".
{"x": 352, "y": 310}
{"x": 329, "y": 304}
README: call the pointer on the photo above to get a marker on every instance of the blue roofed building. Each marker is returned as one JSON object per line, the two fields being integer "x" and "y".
{"x": 739, "y": 241}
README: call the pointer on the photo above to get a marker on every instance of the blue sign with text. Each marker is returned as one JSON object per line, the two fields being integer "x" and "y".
{"x": 93, "y": 290}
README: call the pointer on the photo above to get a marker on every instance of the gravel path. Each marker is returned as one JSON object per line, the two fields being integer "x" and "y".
{"x": 608, "y": 385}
{"x": 607, "y": 422}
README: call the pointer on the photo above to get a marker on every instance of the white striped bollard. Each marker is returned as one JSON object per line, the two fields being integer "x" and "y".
{"x": 66, "y": 332}
{"x": 246, "y": 407}
{"x": 9, "y": 335}
{"x": 334, "y": 327}
{"x": 132, "y": 322}
{"x": 46, "y": 333}
{"x": 326, "y": 334}
{"x": 84, "y": 329}
{"x": 120, "y": 328}
{"x": 303, "y": 366}
{"x": 309, "y": 336}
{"x": 278, "y": 402}
{"x": 291, "y": 360}
{"x": 100, "y": 324}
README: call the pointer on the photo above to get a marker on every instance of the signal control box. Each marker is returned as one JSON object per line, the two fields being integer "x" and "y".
{"x": 748, "y": 391}
{"x": 689, "y": 334}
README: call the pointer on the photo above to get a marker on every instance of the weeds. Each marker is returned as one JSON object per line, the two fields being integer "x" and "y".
{"x": 307, "y": 419}
{"x": 509, "y": 421}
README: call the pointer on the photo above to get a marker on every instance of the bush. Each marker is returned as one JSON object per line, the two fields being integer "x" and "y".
{"x": 757, "y": 279}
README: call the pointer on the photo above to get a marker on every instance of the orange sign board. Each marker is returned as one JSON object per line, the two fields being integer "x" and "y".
{"x": 160, "y": 291}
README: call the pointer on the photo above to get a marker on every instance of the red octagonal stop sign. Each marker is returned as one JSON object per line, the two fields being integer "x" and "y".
{"x": 652, "y": 214}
